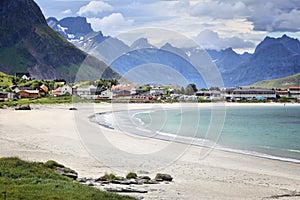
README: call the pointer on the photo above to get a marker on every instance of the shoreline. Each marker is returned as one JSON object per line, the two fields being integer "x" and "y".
{"x": 53, "y": 132}
{"x": 220, "y": 148}
{"x": 190, "y": 140}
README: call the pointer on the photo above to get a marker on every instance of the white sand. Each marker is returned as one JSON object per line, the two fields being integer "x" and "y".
{"x": 54, "y": 132}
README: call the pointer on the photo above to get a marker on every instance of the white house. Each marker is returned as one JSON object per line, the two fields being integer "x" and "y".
{"x": 157, "y": 91}
{"x": 123, "y": 91}
{"x": 66, "y": 89}
{"x": 106, "y": 94}
{"x": 137, "y": 91}
{"x": 92, "y": 92}
{"x": 282, "y": 93}
{"x": 82, "y": 91}
{"x": 25, "y": 77}
{"x": 209, "y": 94}
{"x": 249, "y": 93}
{"x": 294, "y": 92}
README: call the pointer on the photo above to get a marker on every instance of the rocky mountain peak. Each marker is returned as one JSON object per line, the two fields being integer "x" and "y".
{"x": 290, "y": 44}
{"x": 76, "y": 25}
{"x": 141, "y": 43}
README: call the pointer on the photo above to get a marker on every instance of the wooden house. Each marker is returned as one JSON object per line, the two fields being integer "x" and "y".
{"x": 28, "y": 93}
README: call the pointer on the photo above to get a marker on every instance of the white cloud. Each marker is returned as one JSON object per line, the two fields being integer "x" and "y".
{"x": 208, "y": 39}
{"x": 288, "y": 22}
{"x": 110, "y": 25}
{"x": 220, "y": 10}
{"x": 94, "y": 7}
{"x": 232, "y": 20}
{"x": 267, "y": 15}
{"x": 67, "y": 12}
{"x": 273, "y": 19}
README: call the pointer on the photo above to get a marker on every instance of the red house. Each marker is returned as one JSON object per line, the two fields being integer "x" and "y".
{"x": 28, "y": 93}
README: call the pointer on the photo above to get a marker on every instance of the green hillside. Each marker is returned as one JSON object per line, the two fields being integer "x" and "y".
{"x": 283, "y": 83}
{"x": 5, "y": 82}
{"x": 27, "y": 44}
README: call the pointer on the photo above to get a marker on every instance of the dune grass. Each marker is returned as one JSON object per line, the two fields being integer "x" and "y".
{"x": 33, "y": 180}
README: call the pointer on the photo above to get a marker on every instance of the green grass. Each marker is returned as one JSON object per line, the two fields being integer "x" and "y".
{"x": 5, "y": 81}
{"x": 52, "y": 164}
{"x": 283, "y": 83}
{"x": 44, "y": 100}
{"x": 50, "y": 100}
{"x": 32, "y": 180}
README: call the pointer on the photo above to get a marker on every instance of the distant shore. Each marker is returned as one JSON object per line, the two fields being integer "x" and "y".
{"x": 53, "y": 132}
{"x": 65, "y": 100}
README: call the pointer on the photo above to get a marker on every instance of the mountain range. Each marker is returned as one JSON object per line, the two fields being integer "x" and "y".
{"x": 28, "y": 44}
{"x": 69, "y": 47}
{"x": 272, "y": 58}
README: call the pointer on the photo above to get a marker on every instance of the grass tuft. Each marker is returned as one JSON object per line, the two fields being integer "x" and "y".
{"x": 52, "y": 164}
{"x": 131, "y": 175}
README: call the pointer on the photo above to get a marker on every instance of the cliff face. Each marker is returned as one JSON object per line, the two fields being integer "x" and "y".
{"x": 273, "y": 58}
{"x": 27, "y": 44}
{"x": 18, "y": 18}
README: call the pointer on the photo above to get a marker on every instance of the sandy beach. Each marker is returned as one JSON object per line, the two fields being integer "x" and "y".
{"x": 69, "y": 137}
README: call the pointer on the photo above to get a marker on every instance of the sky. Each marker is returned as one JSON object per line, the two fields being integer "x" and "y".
{"x": 213, "y": 24}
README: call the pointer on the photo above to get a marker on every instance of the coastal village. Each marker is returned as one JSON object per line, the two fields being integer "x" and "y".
{"x": 146, "y": 93}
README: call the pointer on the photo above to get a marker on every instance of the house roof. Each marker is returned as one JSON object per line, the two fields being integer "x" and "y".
{"x": 282, "y": 92}
{"x": 29, "y": 91}
{"x": 66, "y": 86}
{"x": 121, "y": 87}
{"x": 44, "y": 87}
{"x": 208, "y": 92}
{"x": 1, "y": 92}
{"x": 120, "y": 90}
{"x": 294, "y": 87}
{"x": 24, "y": 88}
{"x": 157, "y": 88}
{"x": 56, "y": 91}
{"x": 32, "y": 91}
{"x": 253, "y": 89}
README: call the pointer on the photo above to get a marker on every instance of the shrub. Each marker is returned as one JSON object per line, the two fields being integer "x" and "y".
{"x": 131, "y": 175}
{"x": 109, "y": 177}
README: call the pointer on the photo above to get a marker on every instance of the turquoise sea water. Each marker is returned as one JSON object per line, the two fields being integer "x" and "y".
{"x": 269, "y": 131}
